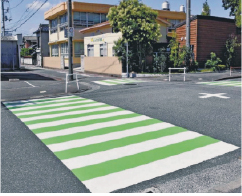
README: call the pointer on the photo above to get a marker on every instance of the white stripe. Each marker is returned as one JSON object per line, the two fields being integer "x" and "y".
{"x": 161, "y": 167}
{"x": 90, "y": 127}
{"x": 32, "y": 100}
{"x": 36, "y": 103}
{"x": 80, "y": 119}
{"x": 103, "y": 83}
{"x": 116, "y": 153}
{"x": 221, "y": 83}
{"x": 30, "y": 84}
{"x": 51, "y": 105}
{"x": 59, "y": 109}
{"x": 67, "y": 113}
{"x": 107, "y": 137}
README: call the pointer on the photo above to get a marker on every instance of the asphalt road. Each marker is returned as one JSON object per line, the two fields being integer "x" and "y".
{"x": 29, "y": 166}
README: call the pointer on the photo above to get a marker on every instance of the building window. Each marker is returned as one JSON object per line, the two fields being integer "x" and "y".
{"x": 63, "y": 22}
{"x": 113, "y": 52}
{"x": 55, "y": 50}
{"x": 64, "y": 49}
{"x": 79, "y": 49}
{"x": 53, "y": 26}
{"x": 103, "y": 49}
{"x": 85, "y": 19}
{"x": 80, "y": 19}
{"x": 90, "y": 50}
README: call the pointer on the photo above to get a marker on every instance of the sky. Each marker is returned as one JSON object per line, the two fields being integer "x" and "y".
{"x": 20, "y": 10}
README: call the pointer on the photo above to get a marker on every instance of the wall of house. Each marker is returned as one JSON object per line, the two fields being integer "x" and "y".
{"x": 9, "y": 55}
{"x": 103, "y": 65}
{"x": 163, "y": 31}
{"x": 52, "y": 62}
{"x": 44, "y": 44}
{"x": 212, "y": 36}
{"x": 108, "y": 38}
{"x": 181, "y": 34}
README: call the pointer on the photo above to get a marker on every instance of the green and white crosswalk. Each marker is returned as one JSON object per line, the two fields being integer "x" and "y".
{"x": 223, "y": 83}
{"x": 116, "y": 81}
{"x": 108, "y": 148}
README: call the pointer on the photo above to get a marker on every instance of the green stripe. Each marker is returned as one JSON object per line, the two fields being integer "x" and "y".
{"x": 132, "y": 161}
{"x": 109, "y": 82}
{"x": 42, "y": 100}
{"x": 54, "y": 107}
{"x": 94, "y": 148}
{"x": 80, "y": 124}
{"x": 61, "y": 111}
{"x": 101, "y": 131}
{"x": 72, "y": 116}
{"x": 45, "y": 104}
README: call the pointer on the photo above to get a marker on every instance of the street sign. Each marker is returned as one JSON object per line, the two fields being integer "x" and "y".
{"x": 71, "y": 32}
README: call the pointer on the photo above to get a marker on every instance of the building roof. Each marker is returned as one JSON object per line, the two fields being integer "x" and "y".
{"x": 215, "y": 18}
{"x": 61, "y": 9}
{"x": 106, "y": 24}
{"x": 8, "y": 38}
{"x": 96, "y": 27}
{"x": 43, "y": 28}
{"x": 30, "y": 38}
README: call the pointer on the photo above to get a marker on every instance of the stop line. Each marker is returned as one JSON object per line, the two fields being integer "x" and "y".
{"x": 112, "y": 82}
{"x": 108, "y": 148}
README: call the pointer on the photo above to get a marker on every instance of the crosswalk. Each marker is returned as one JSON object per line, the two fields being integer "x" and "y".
{"x": 113, "y": 82}
{"x": 223, "y": 83}
{"x": 108, "y": 148}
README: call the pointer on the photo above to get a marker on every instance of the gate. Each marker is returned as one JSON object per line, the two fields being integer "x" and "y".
{"x": 9, "y": 55}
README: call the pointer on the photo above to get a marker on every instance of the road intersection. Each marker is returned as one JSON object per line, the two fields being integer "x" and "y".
{"x": 121, "y": 138}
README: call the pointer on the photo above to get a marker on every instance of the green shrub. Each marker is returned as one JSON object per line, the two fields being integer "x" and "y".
{"x": 207, "y": 70}
{"x": 222, "y": 67}
{"x": 213, "y": 62}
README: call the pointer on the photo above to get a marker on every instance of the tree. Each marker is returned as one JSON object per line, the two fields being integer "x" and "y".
{"x": 235, "y": 9}
{"x": 26, "y": 52}
{"x": 174, "y": 46}
{"x": 213, "y": 62}
{"x": 231, "y": 44}
{"x": 206, "y": 9}
{"x": 160, "y": 60}
{"x": 138, "y": 26}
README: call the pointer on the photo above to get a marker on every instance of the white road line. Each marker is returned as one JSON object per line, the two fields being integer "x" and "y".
{"x": 91, "y": 127}
{"x": 32, "y": 100}
{"x": 51, "y": 105}
{"x": 80, "y": 119}
{"x": 30, "y": 84}
{"x": 161, "y": 167}
{"x": 103, "y": 83}
{"x": 36, "y": 103}
{"x": 107, "y": 137}
{"x": 59, "y": 109}
{"x": 96, "y": 158}
{"x": 67, "y": 113}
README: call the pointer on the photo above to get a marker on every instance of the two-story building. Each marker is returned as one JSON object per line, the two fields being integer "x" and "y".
{"x": 90, "y": 20}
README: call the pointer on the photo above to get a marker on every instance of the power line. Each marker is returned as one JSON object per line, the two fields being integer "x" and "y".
{"x": 17, "y": 5}
{"x": 30, "y": 16}
{"x": 15, "y": 23}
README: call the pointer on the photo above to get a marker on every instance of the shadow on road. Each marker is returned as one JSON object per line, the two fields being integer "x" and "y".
{"x": 23, "y": 76}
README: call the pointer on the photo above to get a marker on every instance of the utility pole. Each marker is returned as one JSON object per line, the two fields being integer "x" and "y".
{"x": 69, "y": 10}
{"x": 127, "y": 58}
{"x": 188, "y": 23}
{"x": 3, "y": 17}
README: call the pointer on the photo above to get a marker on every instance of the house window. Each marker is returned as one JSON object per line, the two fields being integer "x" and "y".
{"x": 53, "y": 24}
{"x": 90, "y": 50}
{"x": 103, "y": 18}
{"x": 79, "y": 49}
{"x": 113, "y": 52}
{"x": 55, "y": 50}
{"x": 63, "y": 22}
{"x": 103, "y": 49}
{"x": 80, "y": 19}
{"x": 64, "y": 49}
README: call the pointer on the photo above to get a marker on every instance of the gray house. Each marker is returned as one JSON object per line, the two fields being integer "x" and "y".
{"x": 10, "y": 52}
{"x": 42, "y": 34}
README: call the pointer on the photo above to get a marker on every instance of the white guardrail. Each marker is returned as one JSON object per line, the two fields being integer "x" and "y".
{"x": 67, "y": 81}
{"x": 177, "y": 69}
